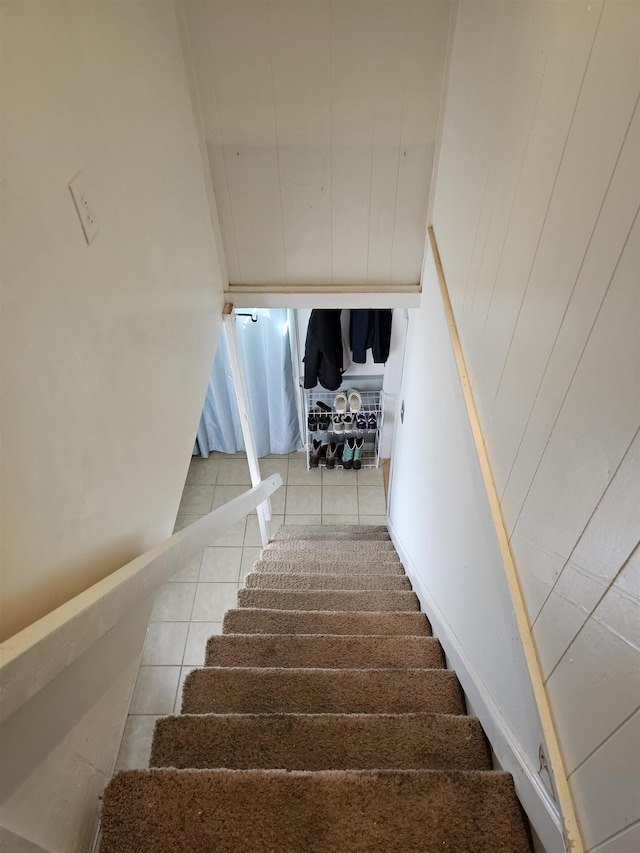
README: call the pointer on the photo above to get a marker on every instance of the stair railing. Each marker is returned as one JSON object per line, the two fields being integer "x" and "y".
{"x": 32, "y": 658}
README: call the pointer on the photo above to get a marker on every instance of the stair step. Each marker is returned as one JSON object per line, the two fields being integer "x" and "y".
{"x": 361, "y": 546}
{"x": 321, "y": 742}
{"x": 235, "y": 811}
{"x": 328, "y": 566}
{"x": 257, "y": 621}
{"x": 284, "y": 580}
{"x": 332, "y": 531}
{"x": 324, "y": 651}
{"x": 315, "y": 599}
{"x": 243, "y": 690}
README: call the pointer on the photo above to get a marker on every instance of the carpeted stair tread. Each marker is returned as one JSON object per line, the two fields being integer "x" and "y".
{"x": 321, "y": 742}
{"x": 259, "y": 621}
{"x": 328, "y": 566}
{"x": 262, "y": 811}
{"x": 244, "y": 690}
{"x": 316, "y": 599}
{"x": 325, "y": 651}
{"x": 361, "y": 546}
{"x": 272, "y": 580}
{"x": 332, "y": 531}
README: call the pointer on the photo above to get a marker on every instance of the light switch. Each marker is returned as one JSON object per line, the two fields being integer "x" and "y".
{"x": 84, "y": 208}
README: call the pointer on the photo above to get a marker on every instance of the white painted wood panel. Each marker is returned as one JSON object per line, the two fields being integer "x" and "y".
{"x": 627, "y": 841}
{"x": 389, "y": 81}
{"x": 611, "y": 232}
{"x": 523, "y": 81}
{"x": 568, "y": 55}
{"x": 597, "y": 422}
{"x": 300, "y": 37}
{"x": 320, "y": 121}
{"x": 606, "y": 788}
{"x": 464, "y": 151}
{"x": 240, "y": 64}
{"x": 353, "y": 61}
{"x": 585, "y": 171}
{"x": 423, "y": 87}
{"x": 596, "y": 685}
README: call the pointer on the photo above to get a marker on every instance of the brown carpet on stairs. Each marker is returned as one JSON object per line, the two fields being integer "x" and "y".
{"x": 321, "y": 742}
{"x": 325, "y": 651}
{"x": 361, "y": 548}
{"x": 262, "y": 811}
{"x": 327, "y": 566}
{"x": 353, "y": 600}
{"x": 272, "y": 580}
{"x": 253, "y": 690}
{"x": 322, "y": 722}
{"x": 259, "y": 621}
{"x": 335, "y": 532}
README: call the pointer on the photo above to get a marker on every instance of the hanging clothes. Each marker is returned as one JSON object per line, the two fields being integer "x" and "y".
{"x": 323, "y": 350}
{"x": 370, "y": 329}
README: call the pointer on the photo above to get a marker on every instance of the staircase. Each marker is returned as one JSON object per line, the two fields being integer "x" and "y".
{"x": 323, "y": 721}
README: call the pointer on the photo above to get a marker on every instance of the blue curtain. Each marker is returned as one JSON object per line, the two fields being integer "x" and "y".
{"x": 266, "y": 356}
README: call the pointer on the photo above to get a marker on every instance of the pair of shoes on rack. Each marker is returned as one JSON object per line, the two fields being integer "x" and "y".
{"x": 352, "y": 453}
{"x": 343, "y": 423}
{"x": 352, "y": 398}
{"x": 366, "y": 421}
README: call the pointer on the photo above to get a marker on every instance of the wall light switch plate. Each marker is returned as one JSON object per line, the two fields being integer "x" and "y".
{"x": 84, "y": 208}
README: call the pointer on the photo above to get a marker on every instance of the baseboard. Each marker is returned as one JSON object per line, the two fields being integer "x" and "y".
{"x": 540, "y": 808}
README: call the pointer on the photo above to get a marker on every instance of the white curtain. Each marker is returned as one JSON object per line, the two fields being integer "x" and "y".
{"x": 266, "y": 356}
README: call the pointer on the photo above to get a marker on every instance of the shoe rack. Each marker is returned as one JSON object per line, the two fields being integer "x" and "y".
{"x": 328, "y": 426}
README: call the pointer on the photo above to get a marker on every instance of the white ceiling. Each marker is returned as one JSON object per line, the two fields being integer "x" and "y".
{"x": 320, "y": 121}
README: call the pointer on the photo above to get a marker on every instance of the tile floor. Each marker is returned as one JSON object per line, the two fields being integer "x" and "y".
{"x": 190, "y": 608}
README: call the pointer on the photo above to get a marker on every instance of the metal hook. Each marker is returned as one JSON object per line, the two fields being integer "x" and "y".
{"x": 254, "y": 317}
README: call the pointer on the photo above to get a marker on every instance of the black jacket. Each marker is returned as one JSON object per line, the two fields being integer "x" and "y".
{"x": 323, "y": 350}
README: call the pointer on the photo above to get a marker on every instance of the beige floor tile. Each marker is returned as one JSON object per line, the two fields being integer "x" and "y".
{"x": 340, "y": 519}
{"x": 202, "y": 472}
{"x": 177, "y": 707}
{"x": 249, "y": 556}
{"x": 300, "y": 476}
{"x": 220, "y": 565}
{"x": 155, "y": 690}
{"x": 339, "y": 477}
{"x": 165, "y": 642}
{"x": 135, "y": 747}
{"x": 196, "y": 499}
{"x": 213, "y": 600}
{"x": 373, "y": 519}
{"x": 233, "y": 472}
{"x": 371, "y": 500}
{"x": 188, "y": 574}
{"x": 303, "y": 500}
{"x": 174, "y": 602}
{"x": 339, "y": 500}
{"x": 370, "y": 477}
{"x": 199, "y": 633}
{"x": 183, "y": 521}
{"x": 274, "y": 465}
{"x": 303, "y": 519}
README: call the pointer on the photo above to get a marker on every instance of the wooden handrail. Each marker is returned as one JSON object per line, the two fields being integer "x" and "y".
{"x": 32, "y": 658}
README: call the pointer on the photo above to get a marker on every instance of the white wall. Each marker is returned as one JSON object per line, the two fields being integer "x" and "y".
{"x": 535, "y": 215}
{"x": 106, "y": 351}
{"x": 441, "y": 524}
